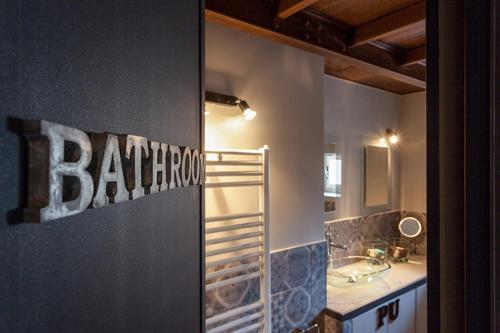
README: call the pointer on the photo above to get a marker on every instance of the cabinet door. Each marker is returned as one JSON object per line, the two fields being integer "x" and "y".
{"x": 401, "y": 307}
{"x": 405, "y": 321}
{"x": 367, "y": 322}
{"x": 421, "y": 309}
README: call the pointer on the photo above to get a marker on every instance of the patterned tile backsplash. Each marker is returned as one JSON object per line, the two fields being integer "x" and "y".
{"x": 298, "y": 286}
{"x": 353, "y": 232}
{"x": 298, "y": 275}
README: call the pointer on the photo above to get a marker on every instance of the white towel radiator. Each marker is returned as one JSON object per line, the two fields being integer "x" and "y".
{"x": 237, "y": 244}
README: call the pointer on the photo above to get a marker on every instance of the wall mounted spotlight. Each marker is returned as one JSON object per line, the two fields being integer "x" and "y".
{"x": 390, "y": 136}
{"x": 247, "y": 111}
{"x": 227, "y": 100}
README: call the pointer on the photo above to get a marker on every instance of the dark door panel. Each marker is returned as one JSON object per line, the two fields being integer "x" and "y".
{"x": 127, "y": 67}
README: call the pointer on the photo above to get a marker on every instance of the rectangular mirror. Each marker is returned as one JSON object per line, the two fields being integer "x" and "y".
{"x": 376, "y": 176}
{"x": 332, "y": 177}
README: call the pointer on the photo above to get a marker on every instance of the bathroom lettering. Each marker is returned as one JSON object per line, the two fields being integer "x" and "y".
{"x": 69, "y": 170}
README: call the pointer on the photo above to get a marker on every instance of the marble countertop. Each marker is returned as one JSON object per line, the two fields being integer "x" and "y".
{"x": 345, "y": 303}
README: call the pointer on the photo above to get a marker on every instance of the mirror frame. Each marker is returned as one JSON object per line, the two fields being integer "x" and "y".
{"x": 365, "y": 210}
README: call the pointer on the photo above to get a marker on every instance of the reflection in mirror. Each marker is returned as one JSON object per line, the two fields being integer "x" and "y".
{"x": 376, "y": 176}
{"x": 332, "y": 177}
{"x": 410, "y": 227}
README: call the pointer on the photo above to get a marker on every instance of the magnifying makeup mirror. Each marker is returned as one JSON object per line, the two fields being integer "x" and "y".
{"x": 410, "y": 227}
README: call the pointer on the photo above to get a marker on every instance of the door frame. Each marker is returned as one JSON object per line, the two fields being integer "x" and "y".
{"x": 201, "y": 27}
{"x": 462, "y": 165}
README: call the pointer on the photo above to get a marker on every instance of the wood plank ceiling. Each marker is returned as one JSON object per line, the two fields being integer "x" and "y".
{"x": 380, "y": 43}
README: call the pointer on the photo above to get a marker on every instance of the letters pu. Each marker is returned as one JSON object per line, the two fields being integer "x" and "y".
{"x": 392, "y": 309}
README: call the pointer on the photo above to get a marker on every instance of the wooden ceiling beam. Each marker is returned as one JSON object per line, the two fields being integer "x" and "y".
{"x": 287, "y": 8}
{"x": 388, "y": 25}
{"x": 351, "y": 73}
{"x": 412, "y": 57}
{"x": 306, "y": 33}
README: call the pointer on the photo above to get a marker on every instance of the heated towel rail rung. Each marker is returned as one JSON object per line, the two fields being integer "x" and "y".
{"x": 256, "y": 163}
{"x": 232, "y": 313}
{"x": 234, "y": 152}
{"x": 240, "y": 278}
{"x": 235, "y": 248}
{"x": 232, "y": 270}
{"x": 233, "y": 238}
{"x": 233, "y": 259}
{"x": 232, "y": 217}
{"x": 232, "y": 173}
{"x": 235, "y": 323}
{"x": 234, "y": 184}
{"x": 233, "y": 256}
{"x": 234, "y": 227}
{"x": 248, "y": 328}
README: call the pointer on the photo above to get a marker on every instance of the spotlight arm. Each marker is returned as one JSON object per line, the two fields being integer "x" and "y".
{"x": 216, "y": 98}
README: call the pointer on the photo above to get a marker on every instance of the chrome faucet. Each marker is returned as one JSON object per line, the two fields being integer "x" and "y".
{"x": 331, "y": 245}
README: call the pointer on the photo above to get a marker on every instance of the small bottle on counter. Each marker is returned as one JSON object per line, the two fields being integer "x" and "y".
{"x": 376, "y": 249}
{"x": 399, "y": 249}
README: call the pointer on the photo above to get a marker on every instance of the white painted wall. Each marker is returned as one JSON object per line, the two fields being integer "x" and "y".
{"x": 413, "y": 152}
{"x": 354, "y": 115}
{"x": 285, "y": 86}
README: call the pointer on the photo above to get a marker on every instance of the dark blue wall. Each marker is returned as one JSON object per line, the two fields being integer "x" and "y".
{"x": 123, "y": 66}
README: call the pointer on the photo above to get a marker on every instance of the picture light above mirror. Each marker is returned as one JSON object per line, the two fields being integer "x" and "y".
{"x": 390, "y": 136}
